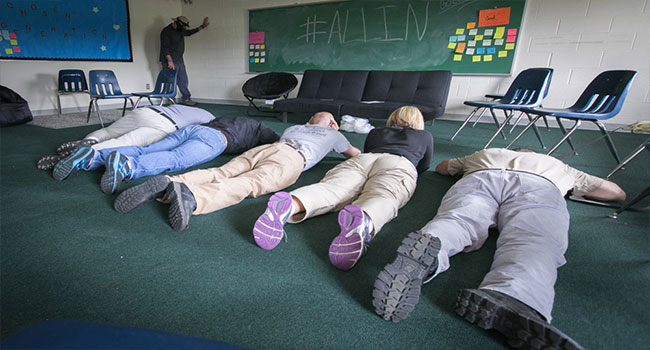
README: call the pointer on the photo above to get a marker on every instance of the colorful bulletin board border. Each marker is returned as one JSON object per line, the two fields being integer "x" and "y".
{"x": 85, "y": 30}
{"x": 492, "y": 39}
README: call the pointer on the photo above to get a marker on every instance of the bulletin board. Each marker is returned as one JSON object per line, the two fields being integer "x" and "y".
{"x": 95, "y": 30}
{"x": 463, "y": 36}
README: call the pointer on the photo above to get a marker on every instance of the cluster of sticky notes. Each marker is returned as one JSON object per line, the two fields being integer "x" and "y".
{"x": 257, "y": 53}
{"x": 482, "y": 44}
{"x": 12, "y": 42}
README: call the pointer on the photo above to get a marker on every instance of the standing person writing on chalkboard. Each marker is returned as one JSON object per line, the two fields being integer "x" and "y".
{"x": 172, "y": 47}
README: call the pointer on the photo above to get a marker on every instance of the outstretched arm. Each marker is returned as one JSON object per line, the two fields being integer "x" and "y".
{"x": 607, "y": 191}
{"x": 351, "y": 152}
{"x": 443, "y": 168}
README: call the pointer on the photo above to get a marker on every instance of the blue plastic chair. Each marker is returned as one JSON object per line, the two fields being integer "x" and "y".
{"x": 103, "y": 86}
{"x": 527, "y": 90}
{"x": 602, "y": 99}
{"x": 165, "y": 88}
{"x": 71, "y": 81}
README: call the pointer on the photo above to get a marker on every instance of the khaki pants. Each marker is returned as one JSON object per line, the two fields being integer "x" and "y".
{"x": 140, "y": 127}
{"x": 260, "y": 170}
{"x": 380, "y": 184}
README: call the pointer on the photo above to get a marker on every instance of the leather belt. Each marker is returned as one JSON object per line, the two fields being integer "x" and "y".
{"x": 166, "y": 116}
{"x": 304, "y": 160}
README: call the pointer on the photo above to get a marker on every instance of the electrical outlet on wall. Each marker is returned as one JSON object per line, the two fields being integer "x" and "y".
{"x": 147, "y": 86}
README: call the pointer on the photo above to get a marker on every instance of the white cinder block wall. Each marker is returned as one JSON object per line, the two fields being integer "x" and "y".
{"x": 578, "y": 38}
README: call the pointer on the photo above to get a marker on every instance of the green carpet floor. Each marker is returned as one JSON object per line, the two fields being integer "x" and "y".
{"x": 66, "y": 254}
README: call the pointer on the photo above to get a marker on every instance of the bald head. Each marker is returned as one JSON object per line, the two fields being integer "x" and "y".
{"x": 324, "y": 119}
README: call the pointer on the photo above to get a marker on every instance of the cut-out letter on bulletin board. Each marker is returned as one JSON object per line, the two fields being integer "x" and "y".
{"x": 494, "y": 17}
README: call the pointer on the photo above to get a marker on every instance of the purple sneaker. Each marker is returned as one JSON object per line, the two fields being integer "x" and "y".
{"x": 269, "y": 227}
{"x": 351, "y": 243}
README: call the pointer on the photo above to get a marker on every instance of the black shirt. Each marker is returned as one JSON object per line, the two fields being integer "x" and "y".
{"x": 172, "y": 42}
{"x": 414, "y": 145}
{"x": 242, "y": 133}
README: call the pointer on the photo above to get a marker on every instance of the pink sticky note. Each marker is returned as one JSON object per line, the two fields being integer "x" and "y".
{"x": 512, "y": 31}
{"x": 12, "y": 35}
{"x": 511, "y": 39}
{"x": 255, "y": 37}
{"x": 16, "y": 48}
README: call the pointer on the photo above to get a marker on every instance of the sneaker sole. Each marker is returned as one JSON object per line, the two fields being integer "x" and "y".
{"x": 48, "y": 162}
{"x": 397, "y": 288}
{"x": 344, "y": 252}
{"x": 69, "y": 166}
{"x": 108, "y": 182}
{"x": 132, "y": 197}
{"x": 179, "y": 217}
{"x": 522, "y": 332}
{"x": 269, "y": 230}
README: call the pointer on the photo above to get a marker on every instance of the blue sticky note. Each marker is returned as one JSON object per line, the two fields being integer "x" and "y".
{"x": 252, "y": 60}
{"x": 453, "y": 39}
{"x": 480, "y": 50}
{"x": 491, "y": 50}
{"x": 461, "y": 38}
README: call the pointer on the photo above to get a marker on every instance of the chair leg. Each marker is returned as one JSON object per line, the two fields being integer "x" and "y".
{"x": 479, "y": 116}
{"x": 151, "y": 103}
{"x": 99, "y": 114}
{"x": 521, "y": 115}
{"x": 137, "y": 102}
{"x": 530, "y": 124}
{"x": 284, "y": 117}
{"x": 90, "y": 109}
{"x": 629, "y": 158}
{"x": 630, "y": 203}
{"x": 609, "y": 141}
{"x": 566, "y": 136}
{"x": 548, "y": 128}
{"x": 496, "y": 121}
{"x": 563, "y": 129}
{"x": 58, "y": 104}
{"x": 539, "y": 137}
{"x": 124, "y": 107}
{"x": 500, "y": 129}
{"x": 465, "y": 122}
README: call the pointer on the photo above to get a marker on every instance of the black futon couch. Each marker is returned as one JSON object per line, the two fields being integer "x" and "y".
{"x": 369, "y": 94}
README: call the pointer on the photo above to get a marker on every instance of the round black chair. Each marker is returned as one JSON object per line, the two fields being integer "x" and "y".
{"x": 268, "y": 86}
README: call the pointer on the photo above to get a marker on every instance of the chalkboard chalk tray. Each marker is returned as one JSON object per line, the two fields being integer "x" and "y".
{"x": 463, "y": 36}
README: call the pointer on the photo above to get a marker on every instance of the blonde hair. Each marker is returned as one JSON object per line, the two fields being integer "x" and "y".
{"x": 406, "y": 116}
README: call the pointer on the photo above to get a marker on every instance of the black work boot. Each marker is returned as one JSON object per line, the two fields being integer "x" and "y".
{"x": 182, "y": 205}
{"x": 397, "y": 289}
{"x": 521, "y": 324}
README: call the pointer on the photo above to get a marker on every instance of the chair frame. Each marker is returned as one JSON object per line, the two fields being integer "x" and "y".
{"x": 284, "y": 94}
{"x": 160, "y": 90}
{"x": 107, "y": 90}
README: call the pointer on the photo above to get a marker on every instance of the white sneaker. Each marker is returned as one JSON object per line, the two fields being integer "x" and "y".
{"x": 363, "y": 129}
{"x": 346, "y": 126}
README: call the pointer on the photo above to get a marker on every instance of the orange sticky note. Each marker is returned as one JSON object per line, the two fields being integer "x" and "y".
{"x": 471, "y": 25}
{"x": 451, "y": 46}
{"x": 503, "y": 53}
{"x": 458, "y": 57}
{"x": 460, "y": 47}
{"x": 262, "y": 47}
{"x": 476, "y": 58}
{"x": 494, "y": 17}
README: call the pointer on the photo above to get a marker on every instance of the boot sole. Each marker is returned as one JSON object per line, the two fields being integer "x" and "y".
{"x": 179, "y": 217}
{"x": 134, "y": 196}
{"x": 522, "y": 332}
{"x": 397, "y": 289}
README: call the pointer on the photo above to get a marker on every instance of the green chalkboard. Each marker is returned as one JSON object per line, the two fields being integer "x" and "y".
{"x": 463, "y": 36}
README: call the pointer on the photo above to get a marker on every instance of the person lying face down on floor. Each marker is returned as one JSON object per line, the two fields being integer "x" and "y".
{"x": 260, "y": 170}
{"x": 139, "y": 127}
{"x": 521, "y": 194}
{"x": 368, "y": 189}
{"x": 185, "y": 148}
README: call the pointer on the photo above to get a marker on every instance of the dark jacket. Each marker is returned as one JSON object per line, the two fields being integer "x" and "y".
{"x": 172, "y": 43}
{"x": 242, "y": 133}
{"x": 414, "y": 145}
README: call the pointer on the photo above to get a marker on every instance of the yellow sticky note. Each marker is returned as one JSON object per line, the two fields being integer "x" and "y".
{"x": 257, "y": 60}
{"x": 460, "y": 31}
{"x": 487, "y": 58}
{"x": 262, "y": 47}
{"x": 478, "y": 37}
{"x": 458, "y": 57}
{"x": 498, "y": 34}
{"x": 510, "y": 46}
{"x": 476, "y": 58}
{"x": 471, "y": 25}
{"x": 14, "y": 42}
{"x": 451, "y": 46}
{"x": 9, "y": 51}
{"x": 503, "y": 53}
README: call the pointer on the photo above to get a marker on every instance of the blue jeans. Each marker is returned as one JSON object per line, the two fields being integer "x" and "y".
{"x": 184, "y": 148}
